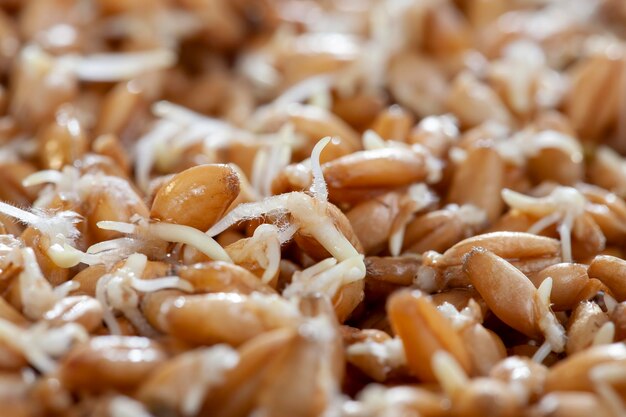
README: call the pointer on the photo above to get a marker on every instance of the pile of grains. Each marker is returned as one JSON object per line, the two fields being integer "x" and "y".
{"x": 299, "y": 208}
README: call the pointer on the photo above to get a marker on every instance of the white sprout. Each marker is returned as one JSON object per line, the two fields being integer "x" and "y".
{"x": 372, "y": 140}
{"x": 448, "y": 372}
{"x": 319, "y": 188}
{"x": 326, "y": 277}
{"x": 263, "y": 247}
{"x": 168, "y": 232}
{"x": 36, "y": 292}
{"x": 605, "y": 334}
{"x": 307, "y": 213}
{"x": 417, "y": 198}
{"x": 147, "y": 148}
{"x": 548, "y": 323}
{"x": 118, "y": 291}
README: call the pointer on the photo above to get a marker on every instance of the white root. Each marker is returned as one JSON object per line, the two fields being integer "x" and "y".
{"x": 326, "y": 277}
{"x": 558, "y": 200}
{"x": 122, "y": 406}
{"x": 189, "y": 236}
{"x": 176, "y": 129}
{"x": 19, "y": 214}
{"x": 37, "y": 295}
{"x": 544, "y": 223}
{"x": 434, "y": 166}
{"x": 112, "y": 251}
{"x": 308, "y": 214}
{"x": 269, "y": 206}
{"x": 118, "y": 291}
{"x": 564, "y": 205}
{"x": 264, "y": 248}
{"x": 314, "y": 220}
{"x": 39, "y": 344}
{"x": 542, "y": 353}
{"x": 272, "y": 159}
{"x": 65, "y": 183}
{"x": 147, "y": 147}
{"x": 167, "y": 232}
{"x": 565, "y": 233}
